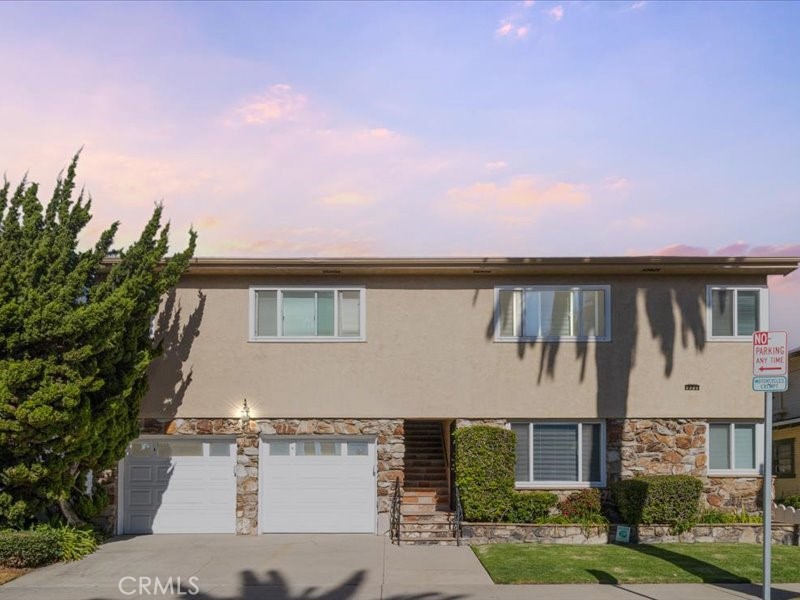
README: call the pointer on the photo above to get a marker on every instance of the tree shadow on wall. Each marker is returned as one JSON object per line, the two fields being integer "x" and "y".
{"x": 615, "y": 360}
{"x": 168, "y": 377}
{"x": 274, "y": 586}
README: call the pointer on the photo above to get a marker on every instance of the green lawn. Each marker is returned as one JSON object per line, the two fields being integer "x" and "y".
{"x": 662, "y": 563}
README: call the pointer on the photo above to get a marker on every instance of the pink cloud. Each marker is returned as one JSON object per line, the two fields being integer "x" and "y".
{"x": 617, "y": 183}
{"x": 305, "y": 242}
{"x": 346, "y": 199}
{"x": 556, "y": 13}
{"x": 515, "y": 202}
{"x": 278, "y": 103}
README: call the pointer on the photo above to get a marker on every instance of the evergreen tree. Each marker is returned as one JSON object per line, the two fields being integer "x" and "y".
{"x": 74, "y": 343}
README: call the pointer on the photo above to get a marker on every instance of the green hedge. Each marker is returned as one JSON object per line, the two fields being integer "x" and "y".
{"x": 529, "y": 507}
{"x": 484, "y": 460}
{"x": 658, "y": 499}
{"x": 44, "y": 544}
{"x": 34, "y": 548}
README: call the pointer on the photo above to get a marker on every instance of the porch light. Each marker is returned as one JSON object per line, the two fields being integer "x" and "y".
{"x": 245, "y": 414}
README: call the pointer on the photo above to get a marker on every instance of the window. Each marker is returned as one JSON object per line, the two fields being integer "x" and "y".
{"x": 734, "y": 448}
{"x": 559, "y": 454}
{"x": 783, "y": 457}
{"x": 735, "y": 313}
{"x": 316, "y": 314}
{"x": 563, "y": 313}
{"x": 314, "y": 447}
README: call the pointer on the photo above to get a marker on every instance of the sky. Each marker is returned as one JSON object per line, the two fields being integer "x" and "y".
{"x": 420, "y": 129}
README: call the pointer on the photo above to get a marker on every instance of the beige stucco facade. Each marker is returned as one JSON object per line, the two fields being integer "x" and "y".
{"x": 430, "y": 352}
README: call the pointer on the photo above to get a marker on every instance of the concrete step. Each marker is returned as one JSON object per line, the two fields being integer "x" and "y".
{"x": 430, "y": 518}
{"x": 442, "y": 491}
{"x": 426, "y": 483}
{"x": 445, "y": 528}
{"x": 422, "y": 509}
{"x": 435, "y": 499}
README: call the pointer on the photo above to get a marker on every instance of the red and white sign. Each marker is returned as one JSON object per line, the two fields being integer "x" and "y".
{"x": 770, "y": 353}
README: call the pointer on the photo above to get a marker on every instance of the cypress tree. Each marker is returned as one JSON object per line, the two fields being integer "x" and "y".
{"x": 74, "y": 343}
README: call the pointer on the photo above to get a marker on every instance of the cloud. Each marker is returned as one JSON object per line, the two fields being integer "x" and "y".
{"x": 739, "y": 248}
{"x": 528, "y": 3}
{"x": 305, "y": 242}
{"x": 346, "y": 199}
{"x": 515, "y": 202}
{"x": 556, "y": 13}
{"x": 496, "y": 165}
{"x": 617, "y": 183}
{"x": 638, "y": 4}
{"x": 278, "y": 103}
{"x": 509, "y": 28}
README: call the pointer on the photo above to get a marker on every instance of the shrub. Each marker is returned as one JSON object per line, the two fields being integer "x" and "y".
{"x": 530, "y": 507}
{"x": 45, "y": 544}
{"x": 33, "y": 548}
{"x": 714, "y": 516}
{"x": 659, "y": 499}
{"x": 581, "y": 505}
{"x": 90, "y": 507}
{"x": 793, "y": 501}
{"x": 484, "y": 461}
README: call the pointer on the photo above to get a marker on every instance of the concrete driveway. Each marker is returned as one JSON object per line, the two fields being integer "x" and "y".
{"x": 311, "y": 567}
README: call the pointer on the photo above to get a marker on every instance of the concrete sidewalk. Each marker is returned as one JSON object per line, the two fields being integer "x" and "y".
{"x": 312, "y": 567}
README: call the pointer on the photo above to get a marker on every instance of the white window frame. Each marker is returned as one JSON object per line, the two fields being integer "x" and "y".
{"x": 606, "y": 289}
{"x": 532, "y": 485}
{"x": 763, "y": 311}
{"x": 759, "y": 450}
{"x": 252, "y": 337}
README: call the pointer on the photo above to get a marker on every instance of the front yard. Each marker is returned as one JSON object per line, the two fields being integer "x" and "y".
{"x": 662, "y": 563}
{"x": 9, "y": 573}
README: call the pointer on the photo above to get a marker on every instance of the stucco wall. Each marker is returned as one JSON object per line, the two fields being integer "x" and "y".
{"x": 429, "y": 353}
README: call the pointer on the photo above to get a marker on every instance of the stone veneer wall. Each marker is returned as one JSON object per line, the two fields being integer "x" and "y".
{"x": 674, "y": 447}
{"x": 390, "y": 449}
{"x": 500, "y": 533}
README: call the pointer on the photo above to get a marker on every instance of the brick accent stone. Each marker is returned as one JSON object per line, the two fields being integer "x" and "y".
{"x": 247, "y": 484}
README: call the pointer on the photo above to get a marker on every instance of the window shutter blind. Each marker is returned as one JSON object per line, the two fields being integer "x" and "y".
{"x": 719, "y": 446}
{"x": 522, "y": 466}
{"x": 593, "y": 318}
{"x": 591, "y": 452}
{"x": 555, "y": 452}
{"x": 510, "y": 312}
{"x": 722, "y": 312}
{"x": 744, "y": 446}
{"x": 267, "y": 312}
{"x": 350, "y": 313}
{"x": 747, "y": 312}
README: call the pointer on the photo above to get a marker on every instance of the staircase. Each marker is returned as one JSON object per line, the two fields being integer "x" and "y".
{"x": 425, "y": 516}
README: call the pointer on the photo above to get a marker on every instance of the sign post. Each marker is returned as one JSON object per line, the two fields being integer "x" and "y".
{"x": 769, "y": 374}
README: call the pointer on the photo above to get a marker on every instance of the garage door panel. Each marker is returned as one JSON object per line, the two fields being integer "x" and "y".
{"x": 312, "y": 493}
{"x": 181, "y": 494}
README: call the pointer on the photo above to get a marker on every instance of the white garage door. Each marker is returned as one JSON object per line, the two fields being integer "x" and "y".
{"x": 318, "y": 485}
{"x": 179, "y": 486}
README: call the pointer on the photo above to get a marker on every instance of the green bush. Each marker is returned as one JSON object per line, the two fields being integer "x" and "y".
{"x": 715, "y": 516}
{"x": 45, "y": 544}
{"x": 584, "y": 504}
{"x": 32, "y": 548}
{"x": 529, "y": 507}
{"x": 793, "y": 501}
{"x": 484, "y": 461}
{"x": 90, "y": 507}
{"x": 659, "y": 499}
